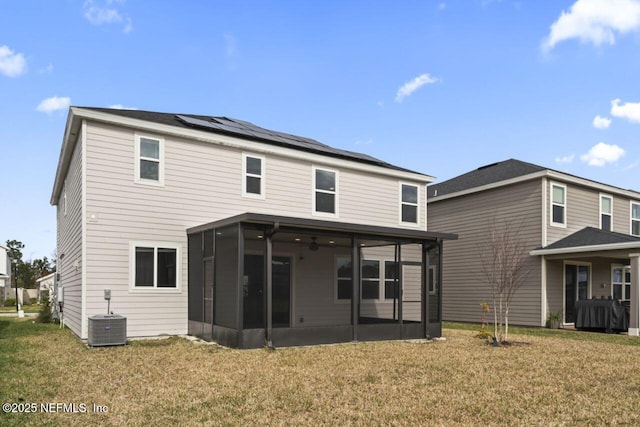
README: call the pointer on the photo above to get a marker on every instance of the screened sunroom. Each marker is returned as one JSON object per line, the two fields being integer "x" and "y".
{"x": 258, "y": 280}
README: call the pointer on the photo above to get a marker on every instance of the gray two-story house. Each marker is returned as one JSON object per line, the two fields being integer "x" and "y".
{"x": 583, "y": 239}
{"x": 225, "y": 230}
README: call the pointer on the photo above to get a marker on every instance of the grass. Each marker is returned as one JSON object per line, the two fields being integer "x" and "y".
{"x": 551, "y": 380}
{"x": 31, "y": 308}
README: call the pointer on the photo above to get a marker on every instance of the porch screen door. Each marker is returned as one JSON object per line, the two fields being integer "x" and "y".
{"x": 576, "y": 287}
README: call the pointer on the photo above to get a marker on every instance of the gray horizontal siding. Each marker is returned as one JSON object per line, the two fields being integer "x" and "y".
{"x": 464, "y": 285}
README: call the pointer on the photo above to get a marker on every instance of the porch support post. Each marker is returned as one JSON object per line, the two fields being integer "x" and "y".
{"x": 634, "y": 312}
{"x": 424, "y": 291}
{"x": 355, "y": 295}
{"x": 400, "y": 290}
{"x": 269, "y": 280}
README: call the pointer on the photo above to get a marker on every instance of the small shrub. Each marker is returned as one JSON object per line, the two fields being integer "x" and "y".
{"x": 44, "y": 316}
{"x": 10, "y": 302}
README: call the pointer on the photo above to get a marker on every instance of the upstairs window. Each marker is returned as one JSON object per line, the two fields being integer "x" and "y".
{"x": 606, "y": 210}
{"x": 635, "y": 219}
{"x": 409, "y": 204}
{"x": 149, "y": 163}
{"x": 325, "y": 184}
{"x": 558, "y": 205}
{"x": 253, "y": 176}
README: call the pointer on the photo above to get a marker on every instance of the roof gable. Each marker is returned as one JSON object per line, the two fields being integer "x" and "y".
{"x": 590, "y": 236}
{"x": 484, "y": 175}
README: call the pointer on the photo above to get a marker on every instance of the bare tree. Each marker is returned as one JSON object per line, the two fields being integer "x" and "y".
{"x": 503, "y": 261}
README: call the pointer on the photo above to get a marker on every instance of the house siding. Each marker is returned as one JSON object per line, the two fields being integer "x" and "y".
{"x": 69, "y": 242}
{"x": 464, "y": 287}
{"x": 202, "y": 183}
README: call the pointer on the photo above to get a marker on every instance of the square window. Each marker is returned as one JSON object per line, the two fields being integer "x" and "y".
{"x": 154, "y": 266}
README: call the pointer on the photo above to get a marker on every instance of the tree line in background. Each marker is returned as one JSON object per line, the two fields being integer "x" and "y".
{"x": 31, "y": 270}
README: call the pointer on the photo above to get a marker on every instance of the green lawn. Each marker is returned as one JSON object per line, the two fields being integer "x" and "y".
{"x": 545, "y": 378}
{"x": 32, "y": 308}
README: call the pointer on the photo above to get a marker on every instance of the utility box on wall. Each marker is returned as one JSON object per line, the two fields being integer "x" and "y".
{"x": 107, "y": 329}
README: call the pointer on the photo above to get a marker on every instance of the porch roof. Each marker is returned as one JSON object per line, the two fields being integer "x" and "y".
{"x": 332, "y": 226}
{"x": 590, "y": 239}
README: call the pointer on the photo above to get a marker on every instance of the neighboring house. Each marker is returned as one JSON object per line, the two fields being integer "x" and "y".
{"x": 218, "y": 228}
{"x": 583, "y": 237}
{"x": 46, "y": 284}
{"x": 5, "y": 272}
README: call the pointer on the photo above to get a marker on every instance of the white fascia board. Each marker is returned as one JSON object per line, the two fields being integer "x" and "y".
{"x": 242, "y": 144}
{"x": 589, "y": 248}
{"x": 486, "y": 187}
{"x": 558, "y": 176}
{"x": 71, "y": 129}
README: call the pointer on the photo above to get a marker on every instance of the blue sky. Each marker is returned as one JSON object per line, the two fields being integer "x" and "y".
{"x": 440, "y": 87}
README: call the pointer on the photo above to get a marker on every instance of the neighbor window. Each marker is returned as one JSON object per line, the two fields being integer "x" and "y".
{"x": 635, "y": 219}
{"x": 409, "y": 203}
{"x": 621, "y": 283}
{"x": 155, "y": 266}
{"x": 325, "y": 184}
{"x": 149, "y": 154}
{"x": 558, "y": 204}
{"x": 606, "y": 210}
{"x": 253, "y": 175}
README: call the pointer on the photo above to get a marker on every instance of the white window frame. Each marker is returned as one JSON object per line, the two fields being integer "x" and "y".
{"x": 623, "y": 283}
{"x": 160, "y": 160}
{"x": 606, "y": 196}
{"x": 155, "y": 245}
{"x": 631, "y": 218}
{"x": 381, "y": 280}
{"x": 315, "y": 190}
{"x": 246, "y": 175}
{"x": 552, "y": 204}
{"x": 402, "y": 202}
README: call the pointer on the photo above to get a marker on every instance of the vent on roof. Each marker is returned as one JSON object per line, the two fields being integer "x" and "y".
{"x": 487, "y": 166}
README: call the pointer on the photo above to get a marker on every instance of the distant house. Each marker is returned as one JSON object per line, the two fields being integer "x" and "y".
{"x": 5, "y": 272}
{"x": 583, "y": 236}
{"x": 46, "y": 284}
{"x": 225, "y": 230}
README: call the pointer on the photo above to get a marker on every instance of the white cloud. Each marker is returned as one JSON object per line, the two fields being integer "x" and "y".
{"x": 54, "y": 103}
{"x": 100, "y": 14}
{"x": 413, "y": 85}
{"x": 121, "y": 107}
{"x": 601, "y": 122}
{"x": 565, "y": 159}
{"x": 601, "y": 154}
{"x": 594, "y": 21}
{"x": 629, "y": 111}
{"x": 11, "y": 64}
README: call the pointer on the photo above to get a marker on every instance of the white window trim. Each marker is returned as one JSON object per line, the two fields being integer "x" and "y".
{"x": 314, "y": 190}
{"x": 245, "y": 174}
{"x": 624, "y": 268}
{"x": 381, "y": 281}
{"x": 610, "y": 197}
{"x": 401, "y": 202}
{"x": 631, "y": 219}
{"x": 137, "y": 178}
{"x": 552, "y": 204}
{"x": 132, "y": 266}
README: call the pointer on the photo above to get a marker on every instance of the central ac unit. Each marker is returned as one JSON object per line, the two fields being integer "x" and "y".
{"x": 107, "y": 329}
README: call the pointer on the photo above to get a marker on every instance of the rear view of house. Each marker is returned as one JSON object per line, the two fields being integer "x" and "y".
{"x": 222, "y": 229}
{"x": 583, "y": 237}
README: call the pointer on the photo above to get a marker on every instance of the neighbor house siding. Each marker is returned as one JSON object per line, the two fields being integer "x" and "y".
{"x": 202, "y": 183}
{"x": 464, "y": 286}
{"x": 69, "y": 242}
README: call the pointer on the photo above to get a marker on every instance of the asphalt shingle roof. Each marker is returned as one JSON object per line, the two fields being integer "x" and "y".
{"x": 246, "y": 130}
{"x": 484, "y": 175}
{"x": 590, "y": 236}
